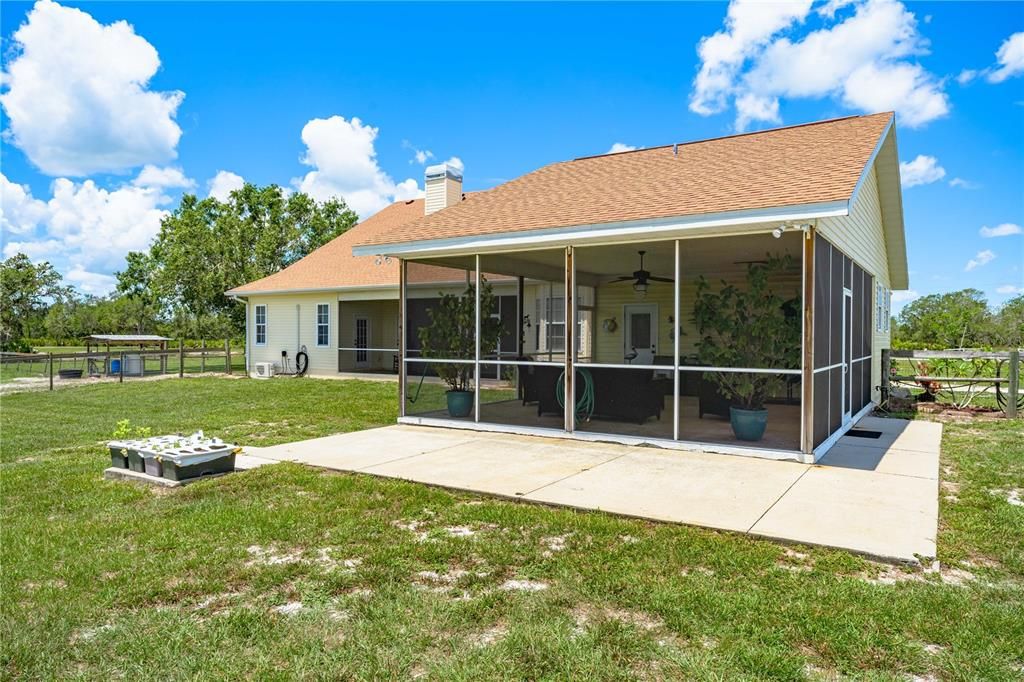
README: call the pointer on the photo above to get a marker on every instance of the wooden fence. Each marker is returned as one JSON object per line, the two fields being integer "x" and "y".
{"x": 115, "y": 363}
{"x": 963, "y": 373}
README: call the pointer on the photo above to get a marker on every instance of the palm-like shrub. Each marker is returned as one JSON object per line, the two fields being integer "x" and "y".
{"x": 749, "y": 326}
{"x": 450, "y": 334}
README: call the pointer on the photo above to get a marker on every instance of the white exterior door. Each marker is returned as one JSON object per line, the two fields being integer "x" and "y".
{"x": 362, "y": 341}
{"x": 847, "y": 354}
{"x": 640, "y": 336}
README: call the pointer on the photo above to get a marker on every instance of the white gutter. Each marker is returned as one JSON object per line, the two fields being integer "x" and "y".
{"x": 607, "y": 233}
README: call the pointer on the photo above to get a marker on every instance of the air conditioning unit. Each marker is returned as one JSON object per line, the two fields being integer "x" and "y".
{"x": 264, "y": 370}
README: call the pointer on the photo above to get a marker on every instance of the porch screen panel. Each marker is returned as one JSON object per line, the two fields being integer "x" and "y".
{"x": 822, "y": 324}
{"x": 367, "y": 336}
{"x": 524, "y": 329}
{"x": 624, "y": 361}
{"x": 440, "y": 337}
{"x": 834, "y": 392}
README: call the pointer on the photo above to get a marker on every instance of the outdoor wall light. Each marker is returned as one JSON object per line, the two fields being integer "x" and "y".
{"x": 778, "y": 231}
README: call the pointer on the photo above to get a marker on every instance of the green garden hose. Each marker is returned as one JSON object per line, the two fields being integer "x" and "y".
{"x": 420, "y": 386}
{"x": 584, "y": 399}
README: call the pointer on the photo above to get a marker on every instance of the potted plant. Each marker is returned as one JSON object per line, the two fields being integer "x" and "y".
{"x": 450, "y": 336}
{"x": 122, "y": 453}
{"x": 749, "y": 326}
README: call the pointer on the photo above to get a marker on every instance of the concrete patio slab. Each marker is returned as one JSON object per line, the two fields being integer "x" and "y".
{"x": 849, "y": 455}
{"x": 499, "y": 465}
{"x": 901, "y": 434}
{"x": 361, "y": 449}
{"x": 884, "y": 515}
{"x": 717, "y": 491}
{"x": 874, "y": 496}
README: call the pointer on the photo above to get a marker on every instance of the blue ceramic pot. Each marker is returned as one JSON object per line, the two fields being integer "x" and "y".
{"x": 460, "y": 403}
{"x": 748, "y": 424}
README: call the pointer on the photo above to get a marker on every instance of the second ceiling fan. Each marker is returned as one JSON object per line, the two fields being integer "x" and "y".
{"x": 641, "y": 277}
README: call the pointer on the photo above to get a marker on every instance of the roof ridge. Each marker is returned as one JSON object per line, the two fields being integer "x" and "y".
{"x": 733, "y": 135}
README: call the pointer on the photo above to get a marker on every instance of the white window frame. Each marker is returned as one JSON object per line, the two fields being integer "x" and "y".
{"x": 319, "y": 324}
{"x": 256, "y": 324}
{"x": 883, "y": 308}
{"x": 879, "y": 297}
{"x": 888, "y": 308}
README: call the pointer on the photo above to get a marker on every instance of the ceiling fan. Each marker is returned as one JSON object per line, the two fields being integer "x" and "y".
{"x": 641, "y": 277}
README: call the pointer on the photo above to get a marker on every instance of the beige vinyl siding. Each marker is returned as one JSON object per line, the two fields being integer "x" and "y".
{"x": 861, "y": 236}
{"x": 612, "y": 299}
{"x": 291, "y": 323}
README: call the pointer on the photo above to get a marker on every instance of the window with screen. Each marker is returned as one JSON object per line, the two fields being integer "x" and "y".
{"x": 261, "y": 324}
{"x": 323, "y": 324}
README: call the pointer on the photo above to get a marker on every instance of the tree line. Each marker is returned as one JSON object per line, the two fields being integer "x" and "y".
{"x": 175, "y": 288}
{"x": 959, "y": 319}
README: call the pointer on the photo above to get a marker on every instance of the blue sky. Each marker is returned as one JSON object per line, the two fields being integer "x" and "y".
{"x": 105, "y": 124}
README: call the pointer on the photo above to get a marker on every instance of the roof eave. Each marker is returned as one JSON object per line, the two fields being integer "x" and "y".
{"x": 728, "y": 222}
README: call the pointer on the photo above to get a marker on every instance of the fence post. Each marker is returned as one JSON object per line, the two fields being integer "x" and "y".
{"x": 1014, "y": 385}
{"x": 886, "y": 363}
{"x": 51, "y": 371}
{"x": 227, "y": 355}
{"x": 202, "y": 360}
{"x": 120, "y": 370}
{"x": 181, "y": 358}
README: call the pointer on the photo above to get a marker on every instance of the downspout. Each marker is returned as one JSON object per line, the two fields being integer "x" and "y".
{"x": 245, "y": 300}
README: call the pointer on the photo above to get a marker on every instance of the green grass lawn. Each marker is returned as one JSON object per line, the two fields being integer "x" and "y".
{"x": 288, "y": 571}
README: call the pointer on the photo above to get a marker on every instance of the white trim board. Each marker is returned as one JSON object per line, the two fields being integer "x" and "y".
{"x": 710, "y": 224}
{"x": 822, "y": 449}
{"x": 692, "y": 446}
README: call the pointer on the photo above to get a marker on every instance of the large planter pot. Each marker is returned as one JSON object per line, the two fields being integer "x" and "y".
{"x": 460, "y": 403}
{"x": 748, "y": 424}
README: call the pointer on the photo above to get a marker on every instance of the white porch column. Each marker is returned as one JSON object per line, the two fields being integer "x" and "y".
{"x": 476, "y": 345}
{"x": 675, "y": 346}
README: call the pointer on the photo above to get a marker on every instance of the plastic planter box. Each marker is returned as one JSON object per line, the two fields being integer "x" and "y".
{"x": 135, "y": 461}
{"x": 191, "y": 462}
{"x": 118, "y": 454}
{"x": 154, "y": 467}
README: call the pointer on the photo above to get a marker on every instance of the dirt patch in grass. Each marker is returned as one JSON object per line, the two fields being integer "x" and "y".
{"x": 488, "y": 637}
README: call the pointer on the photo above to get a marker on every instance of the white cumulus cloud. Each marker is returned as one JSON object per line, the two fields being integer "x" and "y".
{"x": 420, "y": 156}
{"x": 982, "y": 258}
{"x": 1002, "y": 230}
{"x": 905, "y": 296}
{"x": 344, "y": 160}
{"x": 620, "y": 147}
{"x": 169, "y": 177}
{"x": 83, "y": 228}
{"x": 862, "y": 59}
{"x": 95, "y": 283}
{"x": 456, "y": 163}
{"x": 963, "y": 183}
{"x": 1010, "y": 59}
{"x": 223, "y": 184}
{"x": 77, "y": 97}
{"x": 1009, "y": 289}
{"x": 19, "y": 211}
{"x": 922, "y": 170}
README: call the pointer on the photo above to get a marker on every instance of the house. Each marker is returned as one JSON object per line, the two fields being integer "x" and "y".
{"x": 644, "y": 251}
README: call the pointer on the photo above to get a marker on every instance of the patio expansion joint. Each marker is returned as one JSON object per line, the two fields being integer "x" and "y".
{"x": 568, "y": 476}
{"x": 778, "y": 499}
{"x": 366, "y": 469}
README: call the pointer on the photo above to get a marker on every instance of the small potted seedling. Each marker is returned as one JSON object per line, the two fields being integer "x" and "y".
{"x": 123, "y": 449}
